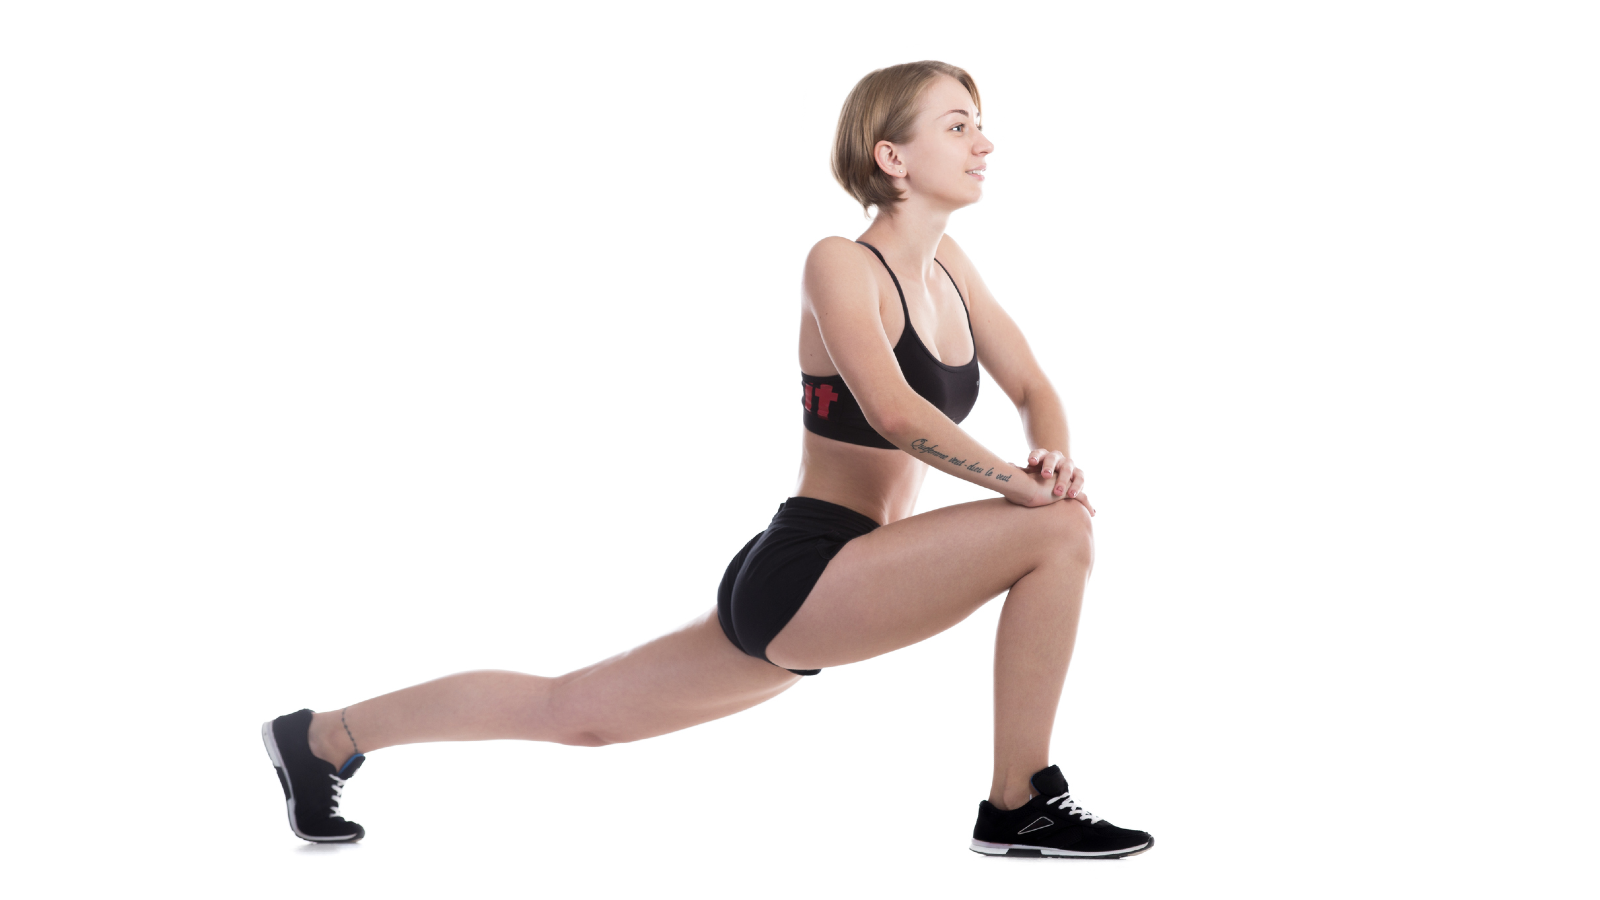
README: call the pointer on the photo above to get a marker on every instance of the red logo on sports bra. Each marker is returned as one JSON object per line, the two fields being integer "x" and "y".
{"x": 825, "y": 395}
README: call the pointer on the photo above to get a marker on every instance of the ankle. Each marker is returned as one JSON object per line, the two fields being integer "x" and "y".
{"x": 1012, "y": 797}
{"x": 328, "y": 740}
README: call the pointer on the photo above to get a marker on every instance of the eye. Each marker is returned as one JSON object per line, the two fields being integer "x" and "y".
{"x": 958, "y": 127}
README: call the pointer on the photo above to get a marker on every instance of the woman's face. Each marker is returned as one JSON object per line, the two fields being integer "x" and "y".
{"x": 945, "y": 158}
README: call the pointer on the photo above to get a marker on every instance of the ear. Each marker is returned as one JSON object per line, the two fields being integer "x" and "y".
{"x": 888, "y": 160}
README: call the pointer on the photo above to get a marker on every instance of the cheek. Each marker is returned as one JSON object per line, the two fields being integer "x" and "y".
{"x": 952, "y": 163}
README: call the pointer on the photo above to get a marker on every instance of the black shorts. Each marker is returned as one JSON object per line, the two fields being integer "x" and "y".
{"x": 771, "y": 577}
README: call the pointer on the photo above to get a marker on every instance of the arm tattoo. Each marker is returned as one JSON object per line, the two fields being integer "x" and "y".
{"x": 921, "y": 445}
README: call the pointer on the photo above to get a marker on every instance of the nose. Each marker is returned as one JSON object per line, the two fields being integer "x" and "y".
{"x": 984, "y": 146}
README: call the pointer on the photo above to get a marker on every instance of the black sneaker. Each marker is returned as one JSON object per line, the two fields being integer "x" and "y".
{"x": 1052, "y": 824}
{"x": 311, "y": 786}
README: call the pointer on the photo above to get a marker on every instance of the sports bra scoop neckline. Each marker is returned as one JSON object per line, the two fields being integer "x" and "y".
{"x": 832, "y": 411}
{"x": 908, "y": 331}
{"x": 906, "y": 311}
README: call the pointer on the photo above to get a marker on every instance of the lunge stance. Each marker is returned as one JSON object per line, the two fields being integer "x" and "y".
{"x": 843, "y": 572}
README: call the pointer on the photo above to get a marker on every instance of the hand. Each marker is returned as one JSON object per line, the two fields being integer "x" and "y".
{"x": 1068, "y": 478}
{"x": 1054, "y": 478}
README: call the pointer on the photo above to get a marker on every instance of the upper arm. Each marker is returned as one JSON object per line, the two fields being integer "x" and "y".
{"x": 1002, "y": 350}
{"x": 842, "y": 294}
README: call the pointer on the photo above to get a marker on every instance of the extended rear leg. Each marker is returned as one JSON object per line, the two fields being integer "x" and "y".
{"x": 689, "y": 676}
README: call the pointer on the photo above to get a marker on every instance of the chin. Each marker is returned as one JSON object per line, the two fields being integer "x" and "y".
{"x": 958, "y": 199}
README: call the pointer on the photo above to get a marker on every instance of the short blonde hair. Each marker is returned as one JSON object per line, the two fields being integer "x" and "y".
{"x": 883, "y": 107}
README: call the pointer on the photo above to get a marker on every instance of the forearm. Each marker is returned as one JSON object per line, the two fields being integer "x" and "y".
{"x": 929, "y": 435}
{"x": 1044, "y": 422}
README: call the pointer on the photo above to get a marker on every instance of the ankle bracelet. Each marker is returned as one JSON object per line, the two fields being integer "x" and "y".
{"x": 347, "y": 731}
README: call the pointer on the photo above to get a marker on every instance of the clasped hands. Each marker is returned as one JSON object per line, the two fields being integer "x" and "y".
{"x": 1054, "y": 478}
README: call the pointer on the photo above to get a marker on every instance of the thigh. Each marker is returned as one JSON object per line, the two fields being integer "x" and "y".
{"x": 909, "y": 580}
{"x": 683, "y": 678}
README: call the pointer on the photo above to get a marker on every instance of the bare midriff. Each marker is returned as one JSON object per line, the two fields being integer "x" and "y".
{"x": 879, "y": 484}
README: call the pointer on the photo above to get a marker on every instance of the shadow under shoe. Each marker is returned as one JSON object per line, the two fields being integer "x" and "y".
{"x": 1052, "y": 824}
{"x": 311, "y": 786}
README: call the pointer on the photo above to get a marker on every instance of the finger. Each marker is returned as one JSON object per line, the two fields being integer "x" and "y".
{"x": 1084, "y": 499}
{"x": 1052, "y": 461}
{"x": 1034, "y": 456}
{"x": 1075, "y": 486}
{"x": 1063, "y": 478}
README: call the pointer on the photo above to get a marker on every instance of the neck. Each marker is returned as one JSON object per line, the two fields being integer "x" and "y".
{"x": 909, "y": 232}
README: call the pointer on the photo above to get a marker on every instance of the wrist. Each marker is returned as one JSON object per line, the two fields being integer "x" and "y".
{"x": 1016, "y": 488}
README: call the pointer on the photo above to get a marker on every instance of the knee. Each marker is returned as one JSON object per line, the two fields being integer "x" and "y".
{"x": 583, "y": 739}
{"x": 1070, "y": 533}
{"x": 575, "y": 719}
{"x": 599, "y": 734}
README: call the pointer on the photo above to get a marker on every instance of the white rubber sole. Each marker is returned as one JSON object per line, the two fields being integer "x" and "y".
{"x": 271, "y": 742}
{"x": 990, "y": 849}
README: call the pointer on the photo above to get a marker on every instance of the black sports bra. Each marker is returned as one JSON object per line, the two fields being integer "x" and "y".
{"x": 831, "y": 410}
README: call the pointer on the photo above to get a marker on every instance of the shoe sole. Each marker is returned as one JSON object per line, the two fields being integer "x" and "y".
{"x": 271, "y": 742}
{"x": 1035, "y": 851}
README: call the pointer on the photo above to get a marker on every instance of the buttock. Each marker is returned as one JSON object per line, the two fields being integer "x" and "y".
{"x": 768, "y": 580}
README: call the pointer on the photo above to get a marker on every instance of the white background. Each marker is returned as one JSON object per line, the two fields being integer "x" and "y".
{"x": 346, "y": 346}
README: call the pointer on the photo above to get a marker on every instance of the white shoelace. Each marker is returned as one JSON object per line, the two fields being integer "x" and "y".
{"x": 338, "y": 793}
{"x": 1072, "y": 807}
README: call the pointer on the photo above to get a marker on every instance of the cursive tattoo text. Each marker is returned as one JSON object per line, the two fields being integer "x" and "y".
{"x": 921, "y": 445}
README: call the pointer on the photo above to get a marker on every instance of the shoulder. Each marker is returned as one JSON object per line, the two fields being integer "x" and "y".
{"x": 954, "y": 258}
{"x": 837, "y": 271}
{"x": 963, "y": 273}
{"x": 834, "y": 251}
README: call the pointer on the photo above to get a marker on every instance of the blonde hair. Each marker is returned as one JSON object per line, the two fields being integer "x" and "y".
{"x": 883, "y": 107}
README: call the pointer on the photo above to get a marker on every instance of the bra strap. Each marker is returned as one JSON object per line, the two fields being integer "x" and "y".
{"x": 896, "y": 281}
{"x": 963, "y": 303}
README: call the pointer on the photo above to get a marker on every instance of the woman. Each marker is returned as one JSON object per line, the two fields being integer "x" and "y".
{"x": 843, "y": 572}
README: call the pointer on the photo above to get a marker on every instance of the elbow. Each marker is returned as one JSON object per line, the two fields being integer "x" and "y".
{"x": 896, "y": 415}
{"x": 891, "y": 429}
{"x": 892, "y": 424}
